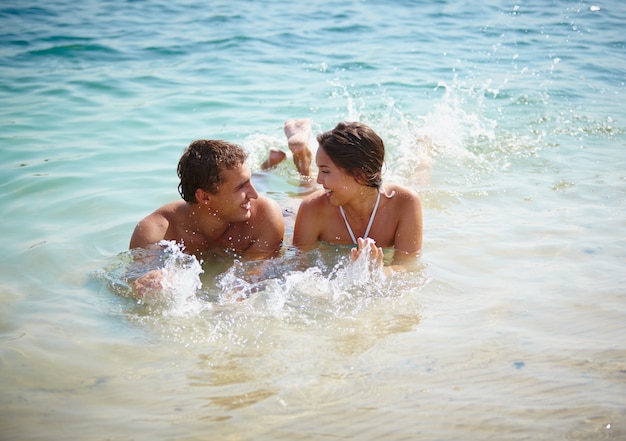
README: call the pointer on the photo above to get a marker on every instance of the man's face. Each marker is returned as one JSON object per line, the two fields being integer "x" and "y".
{"x": 232, "y": 200}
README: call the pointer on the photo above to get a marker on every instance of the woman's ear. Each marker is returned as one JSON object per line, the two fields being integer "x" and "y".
{"x": 360, "y": 176}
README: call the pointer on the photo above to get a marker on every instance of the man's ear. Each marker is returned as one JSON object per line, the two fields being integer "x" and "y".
{"x": 202, "y": 196}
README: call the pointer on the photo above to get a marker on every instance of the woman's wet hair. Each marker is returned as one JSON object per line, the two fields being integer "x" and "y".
{"x": 357, "y": 149}
{"x": 202, "y": 163}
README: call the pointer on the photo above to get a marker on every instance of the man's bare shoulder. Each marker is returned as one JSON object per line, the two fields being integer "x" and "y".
{"x": 171, "y": 209}
{"x": 167, "y": 214}
{"x": 265, "y": 206}
{"x": 154, "y": 227}
{"x": 265, "y": 203}
{"x": 265, "y": 212}
{"x": 265, "y": 229}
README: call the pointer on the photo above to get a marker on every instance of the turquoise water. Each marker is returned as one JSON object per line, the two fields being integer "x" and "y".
{"x": 507, "y": 118}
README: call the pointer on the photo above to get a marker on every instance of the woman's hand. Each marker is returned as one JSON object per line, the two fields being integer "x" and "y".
{"x": 375, "y": 254}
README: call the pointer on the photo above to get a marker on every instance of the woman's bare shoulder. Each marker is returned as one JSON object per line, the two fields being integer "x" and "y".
{"x": 314, "y": 209}
{"x": 317, "y": 200}
{"x": 400, "y": 192}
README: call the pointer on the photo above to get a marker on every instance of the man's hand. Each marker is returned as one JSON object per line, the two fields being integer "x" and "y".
{"x": 149, "y": 283}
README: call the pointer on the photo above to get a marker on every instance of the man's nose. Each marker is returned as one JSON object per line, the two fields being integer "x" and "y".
{"x": 252, "y": 193}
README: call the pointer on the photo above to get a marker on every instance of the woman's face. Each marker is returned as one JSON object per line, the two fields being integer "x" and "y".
{"x": 340, "y": 186}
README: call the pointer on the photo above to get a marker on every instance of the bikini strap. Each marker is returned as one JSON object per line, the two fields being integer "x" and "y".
{"x": 369, "y": 224}
{"x": 347, "y": 224}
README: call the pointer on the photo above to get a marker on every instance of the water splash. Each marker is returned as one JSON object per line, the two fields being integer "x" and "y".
{"x": 238, "y": 306}
{"x": 457, "y": 119}
{"x": 233, "y": 287}
{"x": 179, "y": 280}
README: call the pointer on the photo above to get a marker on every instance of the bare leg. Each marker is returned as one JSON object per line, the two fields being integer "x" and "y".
{"x": 276, "y": 157}
{"x": 298, "y": 132}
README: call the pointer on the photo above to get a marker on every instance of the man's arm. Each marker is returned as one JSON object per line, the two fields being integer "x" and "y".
{"x": 147, "y": 233}
{"x": 149, "y": 230}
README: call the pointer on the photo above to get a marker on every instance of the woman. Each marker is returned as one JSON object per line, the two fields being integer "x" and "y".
{"x": 353, "y": 207}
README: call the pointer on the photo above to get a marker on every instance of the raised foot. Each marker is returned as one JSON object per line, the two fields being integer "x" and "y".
{"x": 298, "y": 132}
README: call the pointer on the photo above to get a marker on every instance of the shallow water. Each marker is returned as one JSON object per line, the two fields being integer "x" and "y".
{"x": 507, "y": 118}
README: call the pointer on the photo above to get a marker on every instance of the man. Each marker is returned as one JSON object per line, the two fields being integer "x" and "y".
{"x": 220, "y": 211}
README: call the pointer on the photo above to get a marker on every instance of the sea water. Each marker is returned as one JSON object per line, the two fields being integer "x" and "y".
{"x": 507, "y": 117}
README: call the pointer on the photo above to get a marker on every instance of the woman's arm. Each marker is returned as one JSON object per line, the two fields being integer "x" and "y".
{"x": 309, "y": 221}
{"x": 408, "y": 236}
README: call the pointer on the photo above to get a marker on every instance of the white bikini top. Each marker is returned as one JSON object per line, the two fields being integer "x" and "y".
{"x": 369, "y": 225}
